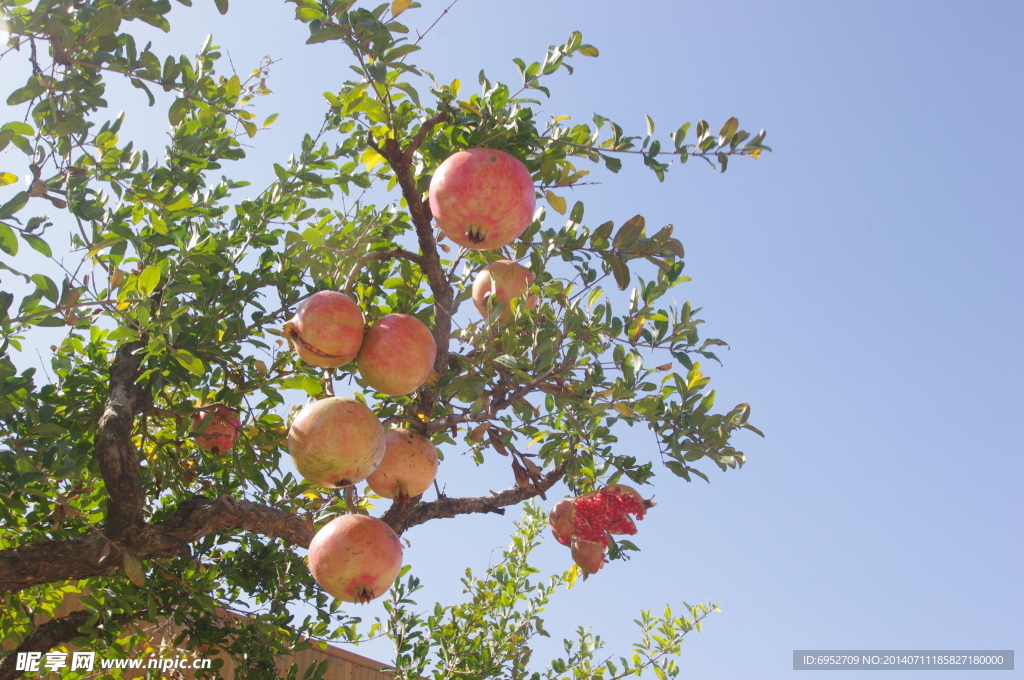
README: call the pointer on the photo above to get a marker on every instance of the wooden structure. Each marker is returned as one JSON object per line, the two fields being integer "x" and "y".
{"x": 341, "y": 664}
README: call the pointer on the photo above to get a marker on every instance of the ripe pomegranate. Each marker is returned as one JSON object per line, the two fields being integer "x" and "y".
{"x": 589, "y": 555}
{"x": 327, "y": 329}
{"x": 335, "y": 442}
{"x": 408, "y": 466}
{"x": 220, "y": 433}
{"x": 561, "y": 521}
{"x": 482, "y": 198}
{"x": 397, "y": 355}
{"x": 591, "y": 518}
{"x": 502, "y": 281}
{"x": 355, "y": 558}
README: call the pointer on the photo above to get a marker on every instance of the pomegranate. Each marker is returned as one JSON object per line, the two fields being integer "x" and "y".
{"x": 355, "y": 558}
{"x": 335, "y": 442}
{"x": 585, "y": 522}
{"x": 561, "y": 521}
{"x": 408, "y": 466}
{"x": 220, "y": 433}
{"x": 502, "y": 281}
{"x": 589, "y": 555}
{"x": 327, "y": 329}
{"x": 482, "y": 198}
{"x": 397, "y": 355}
{"x": 591, "y": 518}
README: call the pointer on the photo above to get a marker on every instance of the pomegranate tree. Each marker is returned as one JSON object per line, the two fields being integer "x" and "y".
{"x": 335, "y": 442}
{"x": 408, "y": 467}
{"x": 220, "y": 432}
{"x": 482, "y": 198}
{"x": 327, "y": 329}
{"x": 397, "y": 355}
{"x": 355, "y": 558}
{"x": 502, "y": 281}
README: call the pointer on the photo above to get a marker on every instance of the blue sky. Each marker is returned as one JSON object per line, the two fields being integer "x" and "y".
{"x": 863, "y": 275}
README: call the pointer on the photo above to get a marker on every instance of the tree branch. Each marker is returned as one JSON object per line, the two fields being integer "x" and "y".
{"x": 439, "y": 424}
{"x": 93, "y": 555}
{"x": 350, "y": 280}
{"x": 402, "y": 516}
{"x": 114, "y": 449}
{"x": 401, "y": 162}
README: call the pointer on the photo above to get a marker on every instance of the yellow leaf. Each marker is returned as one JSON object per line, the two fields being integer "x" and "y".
{"x": 571, "y": 576}
{"x": 536, "y": 439}
{"x": 371, "y": 158}
{"x": 7, "y": 178}
{"x": 639, "y": 329}
{"x": 556, "y": 202}
{"x": 180, "y": 204}
{"x": 623, "y": 410}
{"x": 399, "y": 6}
{"x": 133, "y": 569}
{"x": 312, "y": 495}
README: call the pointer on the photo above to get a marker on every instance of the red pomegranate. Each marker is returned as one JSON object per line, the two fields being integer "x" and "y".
{"x": 327, "y": 329}
{"x": 335, "y": 442}
{"x": 220, "y": 433}
{"x": 408, "y": 467}
{"x": 397, "y": 355}
{"x": 355, "y": 558}
{"x": 502, "y": 281}
{"x": 482, "y": 198}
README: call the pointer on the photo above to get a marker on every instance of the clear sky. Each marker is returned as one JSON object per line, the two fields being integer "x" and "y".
{"x": 867, "y": 276}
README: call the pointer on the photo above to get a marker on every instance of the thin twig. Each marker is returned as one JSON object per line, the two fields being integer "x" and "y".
{"x": 350, "y": 280}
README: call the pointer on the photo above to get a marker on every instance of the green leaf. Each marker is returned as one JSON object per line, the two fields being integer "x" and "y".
{"x": 589, "y": 51}
{"x": 26, "y": 478}
{"x": 189, "y": 361}
{"x": 325, "y": 34}
{"x": 47, "y": 287}
{"x": 727, "y": 131}
{"x": 577, "y": 212}
{"x": 38, "y": 244}
{"x": 650, "y": 125}
{"x": 7, "y": 178}
{"x": 149, "y": 279}
{"x": 630, "y": 231}
{"x": 602, "y": 233}
{"x": 23, "y": 94}
{"x": 106, "y": 21}
{"x": 49, "y": 431}
{"x": 14, "y": 205}
{"x": 222, "y": 6}
{"x": 178, "y": 110}
{"x": 556, "y": 202}
{"x": 508, "y": 361}
{"x": 19, "y": 128}
{"x": 8, "y": 241}
{"x": 620, "y": 270}
{"x": 232, "y": 88}
{"x": 270, "y": 120}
